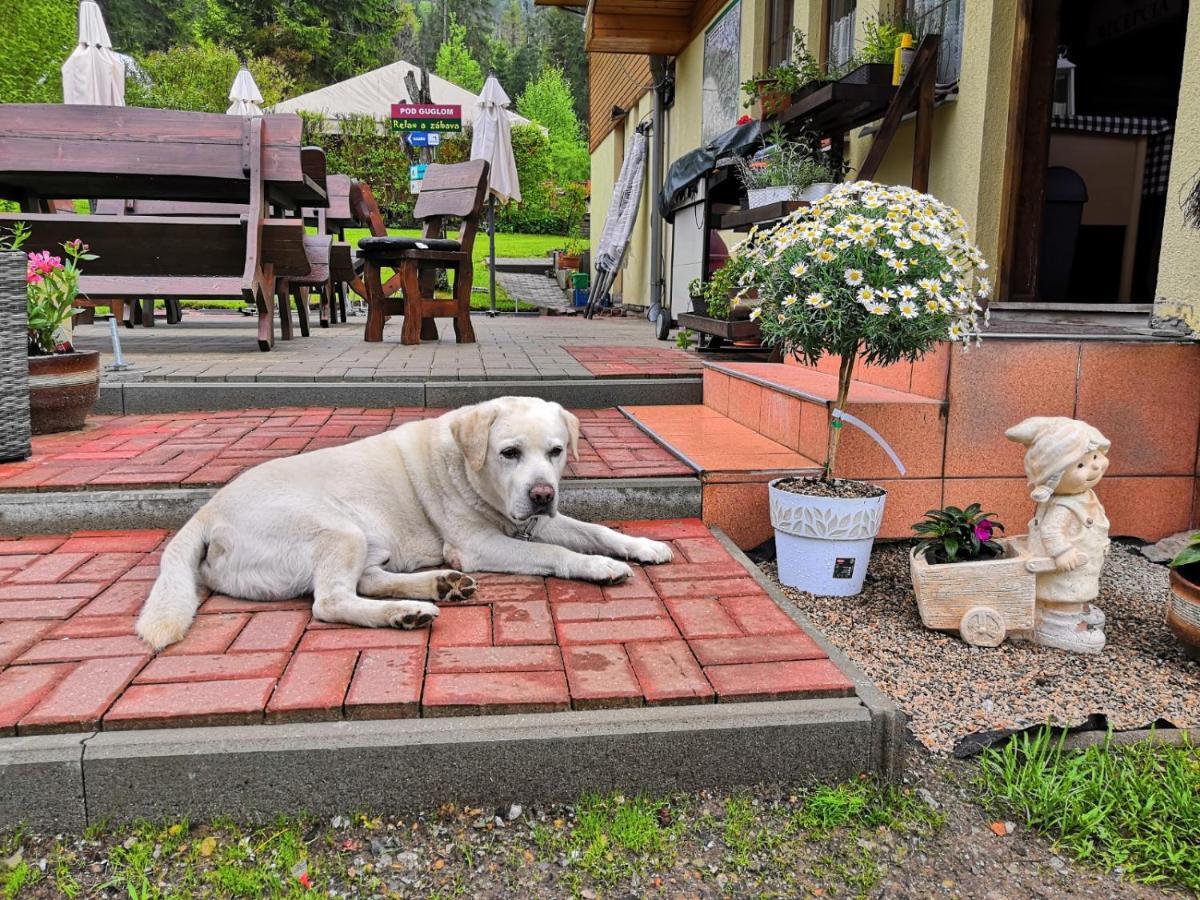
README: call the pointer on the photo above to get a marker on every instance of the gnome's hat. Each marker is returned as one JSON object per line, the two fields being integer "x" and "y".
{"x": 1055, "y": 443}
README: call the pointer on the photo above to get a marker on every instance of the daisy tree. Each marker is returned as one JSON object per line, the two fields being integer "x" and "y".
{"x": 867, "y": 272}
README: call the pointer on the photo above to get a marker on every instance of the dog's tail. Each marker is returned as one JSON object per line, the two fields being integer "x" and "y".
{"x": 172, "y": 603}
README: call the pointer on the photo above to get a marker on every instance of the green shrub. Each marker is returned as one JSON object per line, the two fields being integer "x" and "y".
{"x": 199, "y": 78}
{"x": 33, "y": 46}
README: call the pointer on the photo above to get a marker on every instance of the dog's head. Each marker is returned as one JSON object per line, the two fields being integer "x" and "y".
{"x": 515, "y": 450}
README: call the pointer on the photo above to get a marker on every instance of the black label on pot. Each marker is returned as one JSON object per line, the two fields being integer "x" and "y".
{"x": 843, "y": 567}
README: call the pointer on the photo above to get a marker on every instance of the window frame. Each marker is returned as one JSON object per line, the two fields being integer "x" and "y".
{"x": 781, "y": 16}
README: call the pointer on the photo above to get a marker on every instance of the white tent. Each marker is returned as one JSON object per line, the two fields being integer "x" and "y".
{"x": 245, "y": 95}
{"x": 93, "y": 74}
{"x": 374, "y": 92}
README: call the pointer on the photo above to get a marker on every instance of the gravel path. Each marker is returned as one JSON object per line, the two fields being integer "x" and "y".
{"x": 950, "y": 689}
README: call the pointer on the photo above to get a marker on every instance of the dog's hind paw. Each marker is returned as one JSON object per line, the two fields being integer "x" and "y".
{"x": 418, "y": 615}
{"x": 454, "y": 587}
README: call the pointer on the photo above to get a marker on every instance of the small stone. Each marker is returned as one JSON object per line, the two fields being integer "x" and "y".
{"x": 1010, "y": 827}
{"x": 1167, "y": 549}
{"x": 339, "y": 822}
{"x": 514, "y": 812}
{"x": 926, "y": 795}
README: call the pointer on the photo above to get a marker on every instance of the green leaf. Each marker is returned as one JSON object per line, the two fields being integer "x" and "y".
{"x": 1186, "y": 557}
{"x": 951, "y": 545}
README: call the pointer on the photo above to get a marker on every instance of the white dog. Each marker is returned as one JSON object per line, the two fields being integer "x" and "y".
{"x": 476, "y": 489}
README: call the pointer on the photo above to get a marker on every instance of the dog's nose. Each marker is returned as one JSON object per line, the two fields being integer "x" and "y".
{"x": 542, "y": 495}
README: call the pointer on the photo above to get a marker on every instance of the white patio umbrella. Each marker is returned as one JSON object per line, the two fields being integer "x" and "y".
{"x": 93, "y": 74}
{"x": 622, "y": 214}
{"x": 245, "y": 95}
{"x": 492, "y": 140}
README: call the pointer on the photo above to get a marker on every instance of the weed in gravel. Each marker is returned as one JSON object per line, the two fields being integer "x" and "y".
{"x": 614, "y": 837}
{"x": 19, "y": 877}
{"x": 1133, "y": 810}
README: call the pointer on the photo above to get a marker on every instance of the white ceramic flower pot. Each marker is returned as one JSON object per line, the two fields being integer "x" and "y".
{"x": 823, "y": 544}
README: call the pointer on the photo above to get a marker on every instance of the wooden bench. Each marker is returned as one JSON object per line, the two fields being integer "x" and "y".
{"x": 447, "y": 192}
{"x": 334, "y": 220}
{"x": 288, "y": 284}
{"x": 159, "y": 155}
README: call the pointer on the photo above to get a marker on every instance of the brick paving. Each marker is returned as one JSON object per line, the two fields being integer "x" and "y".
{"x": 210, "y": 448}
{"x": 210, "y": 346}
{"x": 636, "y": 362}
{"x": 699, "y": 630}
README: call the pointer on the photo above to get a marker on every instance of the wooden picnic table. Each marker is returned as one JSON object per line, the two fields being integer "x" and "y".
{"x": 49, "y": 152}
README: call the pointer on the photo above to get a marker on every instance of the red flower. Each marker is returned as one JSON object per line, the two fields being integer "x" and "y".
{"x": 303, "y": 879}
{"x": 744, "y": 120}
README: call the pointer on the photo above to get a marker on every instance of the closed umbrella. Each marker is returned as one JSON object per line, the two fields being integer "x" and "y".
{"x": 492, "y": 140}
{"x": 622, "y": 214}
{"x": 93, "y": 74}
{"x": 244, "y": 95}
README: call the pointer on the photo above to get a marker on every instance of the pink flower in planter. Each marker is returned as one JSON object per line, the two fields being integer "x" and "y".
{"x": 43, "y": 263}
{"x": 32, "y": 277}
{"x": 984, "y": 530}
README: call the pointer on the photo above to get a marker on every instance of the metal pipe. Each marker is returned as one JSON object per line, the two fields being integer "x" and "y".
{"x": 492, "y": 246}
{"x": 658, "y": 71}
{"x": 118, "y": 364}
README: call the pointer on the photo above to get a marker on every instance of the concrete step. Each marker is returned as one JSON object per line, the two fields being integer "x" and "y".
{"x": 791, "y": 405}
{"x": 538, "y": 265}
{"x": 735, "y": 464}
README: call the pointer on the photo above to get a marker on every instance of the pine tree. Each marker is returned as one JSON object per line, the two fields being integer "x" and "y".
{"x": 455, "y": 62}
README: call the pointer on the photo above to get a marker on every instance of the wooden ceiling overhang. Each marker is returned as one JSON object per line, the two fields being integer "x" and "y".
{"x": 651, "y": 27}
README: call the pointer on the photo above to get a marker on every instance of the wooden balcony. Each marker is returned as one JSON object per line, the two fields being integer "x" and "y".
{"x": 642, "y": 26}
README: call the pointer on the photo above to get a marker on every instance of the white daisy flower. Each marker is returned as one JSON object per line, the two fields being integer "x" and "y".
{"x": 908, "y": 309}
{"x": 898, "y": 266}
{"x": 933, "y": 306}
{"x": 956, "y": 331}
{"x": 755, "y": 313}
{"x": 853, "y": 277}
{"x": 879, "y": 309}
{"x": 799, "y": 270}
{"x": 791, "y": 300}
{"x": 865, "y": 295}
{"x": 908, "y": 292}
{"x": 824, "y": 256}
{"x": 817, "y": 300}
{"x": 985, "y": 287}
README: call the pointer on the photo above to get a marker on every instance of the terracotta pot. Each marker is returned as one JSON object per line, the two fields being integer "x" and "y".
{"x": 570, "y": 263}
{"x": 773, "y": 103}
{"x": 62, "y": 390}
{"x": 1183, "y": 613}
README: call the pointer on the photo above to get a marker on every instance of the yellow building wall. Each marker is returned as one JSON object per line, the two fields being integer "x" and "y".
{"x": 682, "y": 134}
{"x": 1179, "y": 265}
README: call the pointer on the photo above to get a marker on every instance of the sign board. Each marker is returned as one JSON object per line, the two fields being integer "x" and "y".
{"x": 410, "y": 117}
{"x": 424, "y": 138}
{"x": 417, "y": 172}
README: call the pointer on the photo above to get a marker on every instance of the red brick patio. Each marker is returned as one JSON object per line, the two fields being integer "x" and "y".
{"x": 636, "y": 362}
{"x": 697, "y": 631}
{"x": 210, "y": 448}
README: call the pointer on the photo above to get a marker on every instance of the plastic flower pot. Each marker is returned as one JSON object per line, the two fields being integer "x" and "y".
{"x": 756, "y": 197}
{"x": 823, "y": 544}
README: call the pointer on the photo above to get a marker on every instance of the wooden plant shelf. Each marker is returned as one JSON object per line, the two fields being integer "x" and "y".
{"x": 739, "y": 330}
{"x": 839, "y": 107}
{"x": 743, "y": 219}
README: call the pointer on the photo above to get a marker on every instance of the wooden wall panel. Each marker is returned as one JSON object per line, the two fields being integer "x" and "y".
{"x": 614, "y": 79}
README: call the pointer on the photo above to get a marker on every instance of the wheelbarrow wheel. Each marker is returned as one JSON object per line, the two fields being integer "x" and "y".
{"x": 982, "y": 626}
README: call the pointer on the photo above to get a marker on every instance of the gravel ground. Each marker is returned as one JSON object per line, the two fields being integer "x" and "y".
{"x": 950, "y": 689}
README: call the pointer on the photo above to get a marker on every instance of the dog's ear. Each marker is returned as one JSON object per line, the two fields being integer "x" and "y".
{"x": 471, "y": 428}
{"x": 572, "y": 421}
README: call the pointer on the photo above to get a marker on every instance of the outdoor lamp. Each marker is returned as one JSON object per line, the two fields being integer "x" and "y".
{"x": 1064, "y": 85}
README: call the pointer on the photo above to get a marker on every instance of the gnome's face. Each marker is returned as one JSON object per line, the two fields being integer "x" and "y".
{"x": 1084, "y": 475}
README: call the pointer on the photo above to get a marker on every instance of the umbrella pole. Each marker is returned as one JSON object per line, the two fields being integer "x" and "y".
{"x": 492, "y": 247}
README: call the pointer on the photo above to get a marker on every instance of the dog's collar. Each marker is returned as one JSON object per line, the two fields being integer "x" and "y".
{"x": 525, "y": 532}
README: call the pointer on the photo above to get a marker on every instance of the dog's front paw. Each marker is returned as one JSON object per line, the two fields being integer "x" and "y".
{"x": 413, "y": 614}
{"x": 603, "y": 570}
{"x": 454, "y": 587}
{"x": 644, "y": 550}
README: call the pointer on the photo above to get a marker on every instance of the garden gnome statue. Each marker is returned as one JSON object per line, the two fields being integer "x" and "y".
{"x": 1064, "y": 460}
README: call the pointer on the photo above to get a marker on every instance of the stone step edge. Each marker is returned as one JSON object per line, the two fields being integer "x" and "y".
{"x": 136, "y": 397}
{"x": 895, "y": 395}
{"x": 720, "y": 476}
{"x": 56, "y": 512}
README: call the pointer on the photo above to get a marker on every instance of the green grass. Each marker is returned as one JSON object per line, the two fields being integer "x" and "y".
{"x": 1135, "y": 808}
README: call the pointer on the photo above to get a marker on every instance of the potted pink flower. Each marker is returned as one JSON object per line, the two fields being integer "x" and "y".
{"x": 63, "y": 382}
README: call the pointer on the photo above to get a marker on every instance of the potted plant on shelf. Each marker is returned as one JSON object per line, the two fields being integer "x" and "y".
{"x": 786, "y": 170}
{"x": 875, "y": 60}
{"x": 1183, "y": 612}
{"x": 786, "y": 83}
{"x": 969, "y": 580}
{"x": 872, "y": 272}
{"x": 63, "y": 383}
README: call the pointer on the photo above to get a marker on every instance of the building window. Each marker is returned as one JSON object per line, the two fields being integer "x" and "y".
{"x": 779, "y": 32}
{"x": 841, "y": 33}
{"x": 944, "y": 17}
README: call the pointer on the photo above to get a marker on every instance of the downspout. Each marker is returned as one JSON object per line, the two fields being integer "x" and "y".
{"x": 658, "y": 72}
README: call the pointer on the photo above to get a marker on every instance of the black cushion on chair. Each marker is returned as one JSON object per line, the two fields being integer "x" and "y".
{"x": 390, "y": 246}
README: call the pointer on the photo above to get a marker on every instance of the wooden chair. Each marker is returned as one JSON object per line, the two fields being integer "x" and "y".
{"x": 117, "y": 152}
{"x": 447, "y": 192}
{"x": 334, "y": 220}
